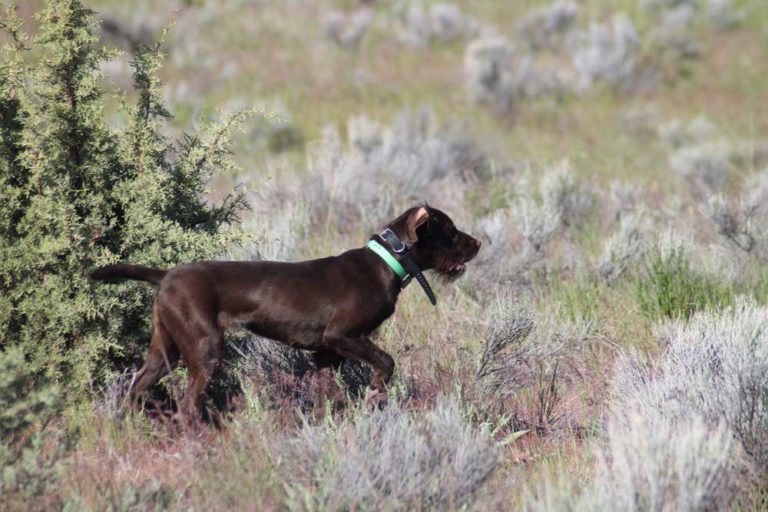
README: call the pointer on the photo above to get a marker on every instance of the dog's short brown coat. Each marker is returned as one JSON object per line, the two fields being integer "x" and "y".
{"x": 329, "y": 305}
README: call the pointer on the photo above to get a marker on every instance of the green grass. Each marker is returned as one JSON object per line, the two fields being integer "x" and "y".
{"x": 670, "y": 288}
{"x": 579, "y": 299}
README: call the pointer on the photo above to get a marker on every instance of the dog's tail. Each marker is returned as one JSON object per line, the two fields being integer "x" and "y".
{"x": 125, "y": 271}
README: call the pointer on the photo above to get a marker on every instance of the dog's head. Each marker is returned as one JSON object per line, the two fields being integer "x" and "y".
{"x": 434, "y": 241}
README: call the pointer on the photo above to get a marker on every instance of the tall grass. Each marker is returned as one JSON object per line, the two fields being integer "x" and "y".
{"x": 671, "y": 288}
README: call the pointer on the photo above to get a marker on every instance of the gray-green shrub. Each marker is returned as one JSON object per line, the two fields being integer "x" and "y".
{"x": 382, "y": 170}
{"x": 715, "y": 364}
{"x": 740, "y": 220}
{"x": 622, "y": 249}
{"x": 420, "y": 25}
{"x": 387, "y": 460}
{"x": 549, "y": 27}
{"x": 646, "y": 464}
{"x": 607, "y": 54}
{"x": 279, "y": 366}
{"x": 526, "y": 351}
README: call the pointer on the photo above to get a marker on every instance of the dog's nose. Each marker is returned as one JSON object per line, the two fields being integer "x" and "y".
{"x": 476, "y": 244}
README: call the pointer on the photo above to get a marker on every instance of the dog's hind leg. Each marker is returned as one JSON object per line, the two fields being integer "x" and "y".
{"x": 189, "y": 313}
{"x": 162, "y": 357}
{"x": 202, "y": 359}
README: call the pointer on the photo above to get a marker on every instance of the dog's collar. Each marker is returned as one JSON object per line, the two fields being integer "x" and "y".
{"x": 388, "y": 258}
{"x": 411, "y": 267}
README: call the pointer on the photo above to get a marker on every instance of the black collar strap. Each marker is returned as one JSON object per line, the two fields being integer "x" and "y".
{"x": 401, "y": 251}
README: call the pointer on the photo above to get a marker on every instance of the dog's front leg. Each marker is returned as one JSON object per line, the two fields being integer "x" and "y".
{"x": 361, "y": 348}
{"x": 328, "y": 362}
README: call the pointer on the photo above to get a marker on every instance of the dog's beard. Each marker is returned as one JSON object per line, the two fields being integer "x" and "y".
{"x": 450, "y": 271}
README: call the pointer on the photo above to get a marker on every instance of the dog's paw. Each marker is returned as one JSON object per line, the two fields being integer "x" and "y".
{"x": 375, "y": 399}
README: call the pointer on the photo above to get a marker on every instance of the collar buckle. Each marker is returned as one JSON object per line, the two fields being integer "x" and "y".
{"x": 397, "y": 245}
{"x": 411, "y": 269}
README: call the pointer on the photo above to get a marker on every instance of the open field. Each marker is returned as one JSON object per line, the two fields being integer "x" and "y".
{"x": 606, "y": 350}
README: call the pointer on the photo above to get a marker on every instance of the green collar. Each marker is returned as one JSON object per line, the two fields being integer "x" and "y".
{"x": 388, "y": 258}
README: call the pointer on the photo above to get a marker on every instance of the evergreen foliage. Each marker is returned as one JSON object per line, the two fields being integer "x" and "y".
{"x": 78, "y": 193}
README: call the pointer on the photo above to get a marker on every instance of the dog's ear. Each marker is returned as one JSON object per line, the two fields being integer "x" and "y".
{"x": 415, "y": 219}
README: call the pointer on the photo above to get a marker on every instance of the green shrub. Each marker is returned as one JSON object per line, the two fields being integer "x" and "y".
{"x": 78, "y": 193}
{"x": 670, "y": 288}
{"x": 30, "y": 458}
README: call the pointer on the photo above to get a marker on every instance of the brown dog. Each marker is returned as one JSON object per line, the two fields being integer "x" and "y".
{"x": 330, "y": 305}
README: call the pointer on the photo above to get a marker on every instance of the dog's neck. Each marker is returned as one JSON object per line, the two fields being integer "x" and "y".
{"x": 397, "y": 255}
